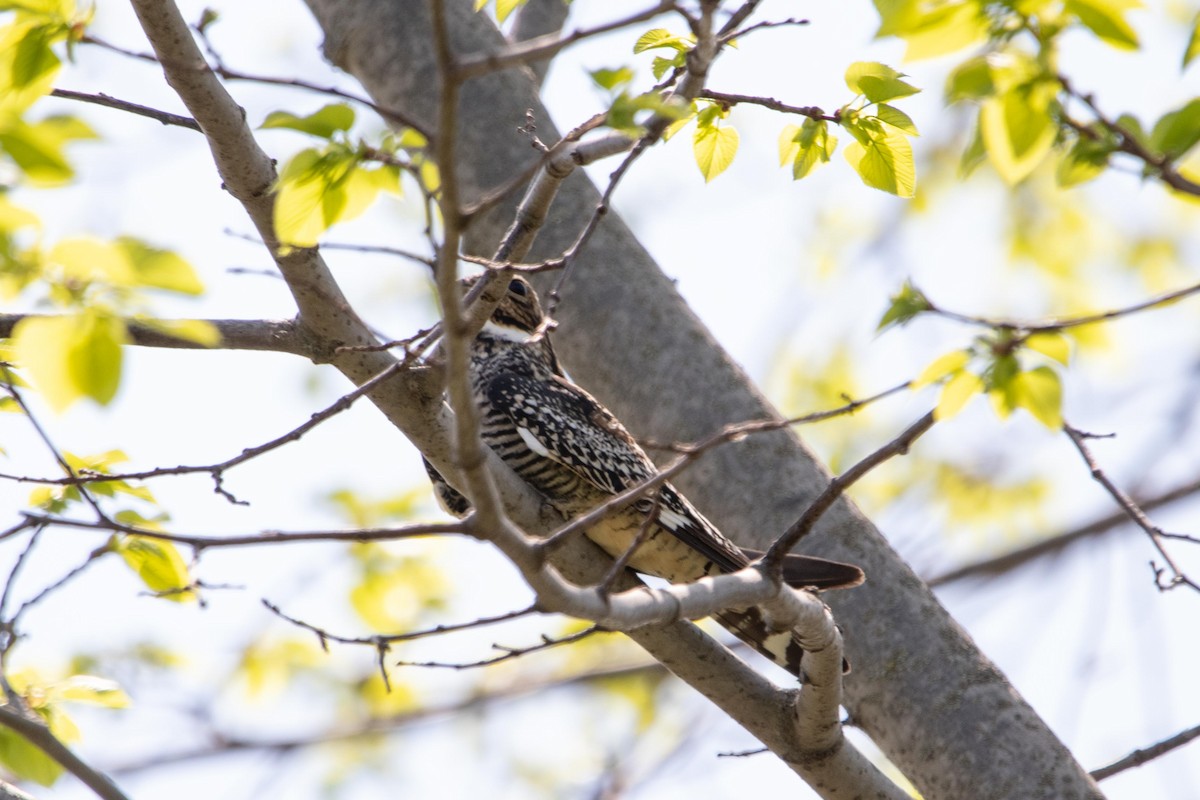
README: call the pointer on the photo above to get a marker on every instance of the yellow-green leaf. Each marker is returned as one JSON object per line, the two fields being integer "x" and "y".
{"x": 883, "y": 158}
{"x": 661, "y": 37}
{"x": 1051, "y": 345}
{"x": 324, "y": 122}
{"x": 1085, "y": 160}
{"x": 311, "y": 195}
{"x": 877, "y": 82}
{"x": 85, "y": 258}
{"x": 1106, "y": 19}
{"x": 896, "y": 118}
{"x": 1018, "y": 129}
{"x": 505, "y": 7}
{"x": 941, "y": 367}
{"x": 1193, "y": 46}
{"x": 13, "y": 217}
{"x": 71, "y": 357}
{"x": 89, "y": 689}
{"x": 932, "y": 29}
{"x": 714, "y": 147}
{"x": 1039, "y": 391}
{"x": 955, "y": 394}
{"x": 159, "y": 565}
{"x": 160, "y": 269}
{"x": 25, "y": 760}
{"x": 806, "y": 146}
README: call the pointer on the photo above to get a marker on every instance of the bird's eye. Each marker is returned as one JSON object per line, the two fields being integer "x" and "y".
{"x": 518, "y": 287}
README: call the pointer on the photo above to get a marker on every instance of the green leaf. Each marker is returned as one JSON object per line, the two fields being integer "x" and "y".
{"x": 896, "y": 118}
{"x": 661, "y": 66}
{"x": 610, "y": 79}
{"x": 159, "y": 565}
{"x": 1019, "y": 129}
{"x": 807, "y": 146}
{"x": 661, "y": 37}
{"x": 1177, "y": 131}
{"x": 941, "y": 367}
{"x": 714, "y": 147}
{"x": 160, "y": 269}
{"x": 324, "y": 122}
{"x": 970, "y": 80}
{"x": 877, "y": 82}
{"x": 905, "y": 304}
{"x": 932, "y": 29}
{"x": 1051, "y": 345}
{"x": 882, "y": 157}
{"x": 956, "y": 393}
{"x": 85, "y": 258}
{"x": 1086, "y": 159}
{"x": 1193, "y": 46}
{"x": 67, "y": 358}
{"x": 27, "y": 761}
{"x": 310, "y": 195}
{"x": 1039, "y": 391}
{"x": 33, "y": 60}
{"x": 1106, "y": 19}
{"x": 94, "y": 360}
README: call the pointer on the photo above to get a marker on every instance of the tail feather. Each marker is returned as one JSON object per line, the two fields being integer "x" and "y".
{"x": 810, "y": 572}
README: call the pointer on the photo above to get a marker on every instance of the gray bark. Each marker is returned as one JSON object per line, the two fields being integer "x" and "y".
{"x": 921, "y": 689}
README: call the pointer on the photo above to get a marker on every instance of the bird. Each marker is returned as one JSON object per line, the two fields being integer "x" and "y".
{"x": 577, "y": 455}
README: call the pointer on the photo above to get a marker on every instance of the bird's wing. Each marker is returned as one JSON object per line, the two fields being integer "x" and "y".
{"x": 560, "y": 421}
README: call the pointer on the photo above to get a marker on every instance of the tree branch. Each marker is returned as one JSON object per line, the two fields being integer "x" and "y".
{"x": 40, "y": 737}
{"x": 280, "y": 336}
{"x": 1007, "y": 562}
{"x": 1143, "y": 755}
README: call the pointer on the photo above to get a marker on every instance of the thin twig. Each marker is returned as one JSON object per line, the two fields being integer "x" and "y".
{"x": 544, "y": 47}
{"x": 1007, "y": 562}
{"x": 773, "y": 560}
{"x": 392, "y": 638}
{"x": 101, "y": 99}
{"x": 1143, "y": 755}
{"x": 1063, "y": 323}
{"x": 508, "y": 653}
{"x": 200, "y": 542}
{"x": 1132, "y": 510}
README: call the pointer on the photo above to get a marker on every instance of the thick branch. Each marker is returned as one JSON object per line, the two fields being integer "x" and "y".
{"x": 40, "y": 737}
{"x": 281, "y": 336}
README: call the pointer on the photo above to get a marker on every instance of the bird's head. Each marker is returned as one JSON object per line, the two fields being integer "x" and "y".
{"x": 519, "y": 314}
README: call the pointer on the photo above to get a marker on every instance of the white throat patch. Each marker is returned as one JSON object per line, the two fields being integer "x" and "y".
{"x": 506, "y": 333}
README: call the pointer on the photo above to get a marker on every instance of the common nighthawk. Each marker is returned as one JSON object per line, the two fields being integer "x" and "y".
{"x": 570, "y": 448}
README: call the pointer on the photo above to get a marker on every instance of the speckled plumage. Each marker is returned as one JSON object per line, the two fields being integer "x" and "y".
{"x": 564, "y": 443}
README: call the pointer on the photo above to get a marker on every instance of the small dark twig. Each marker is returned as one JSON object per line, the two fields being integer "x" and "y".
{"x": 1134, "y": 512}
{"x": 101, "y": 99}
{"x": 1063, "y": 323}
{"x": 1143, "y": 755}
{"x": 509, "y": 653}
{"x": 727, "y": 100}
{"x": 773, "y": 560}
{"x": 392, "y": 638}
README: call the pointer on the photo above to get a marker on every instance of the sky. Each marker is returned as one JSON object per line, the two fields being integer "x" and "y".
{"x": 1085, "y": 638}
